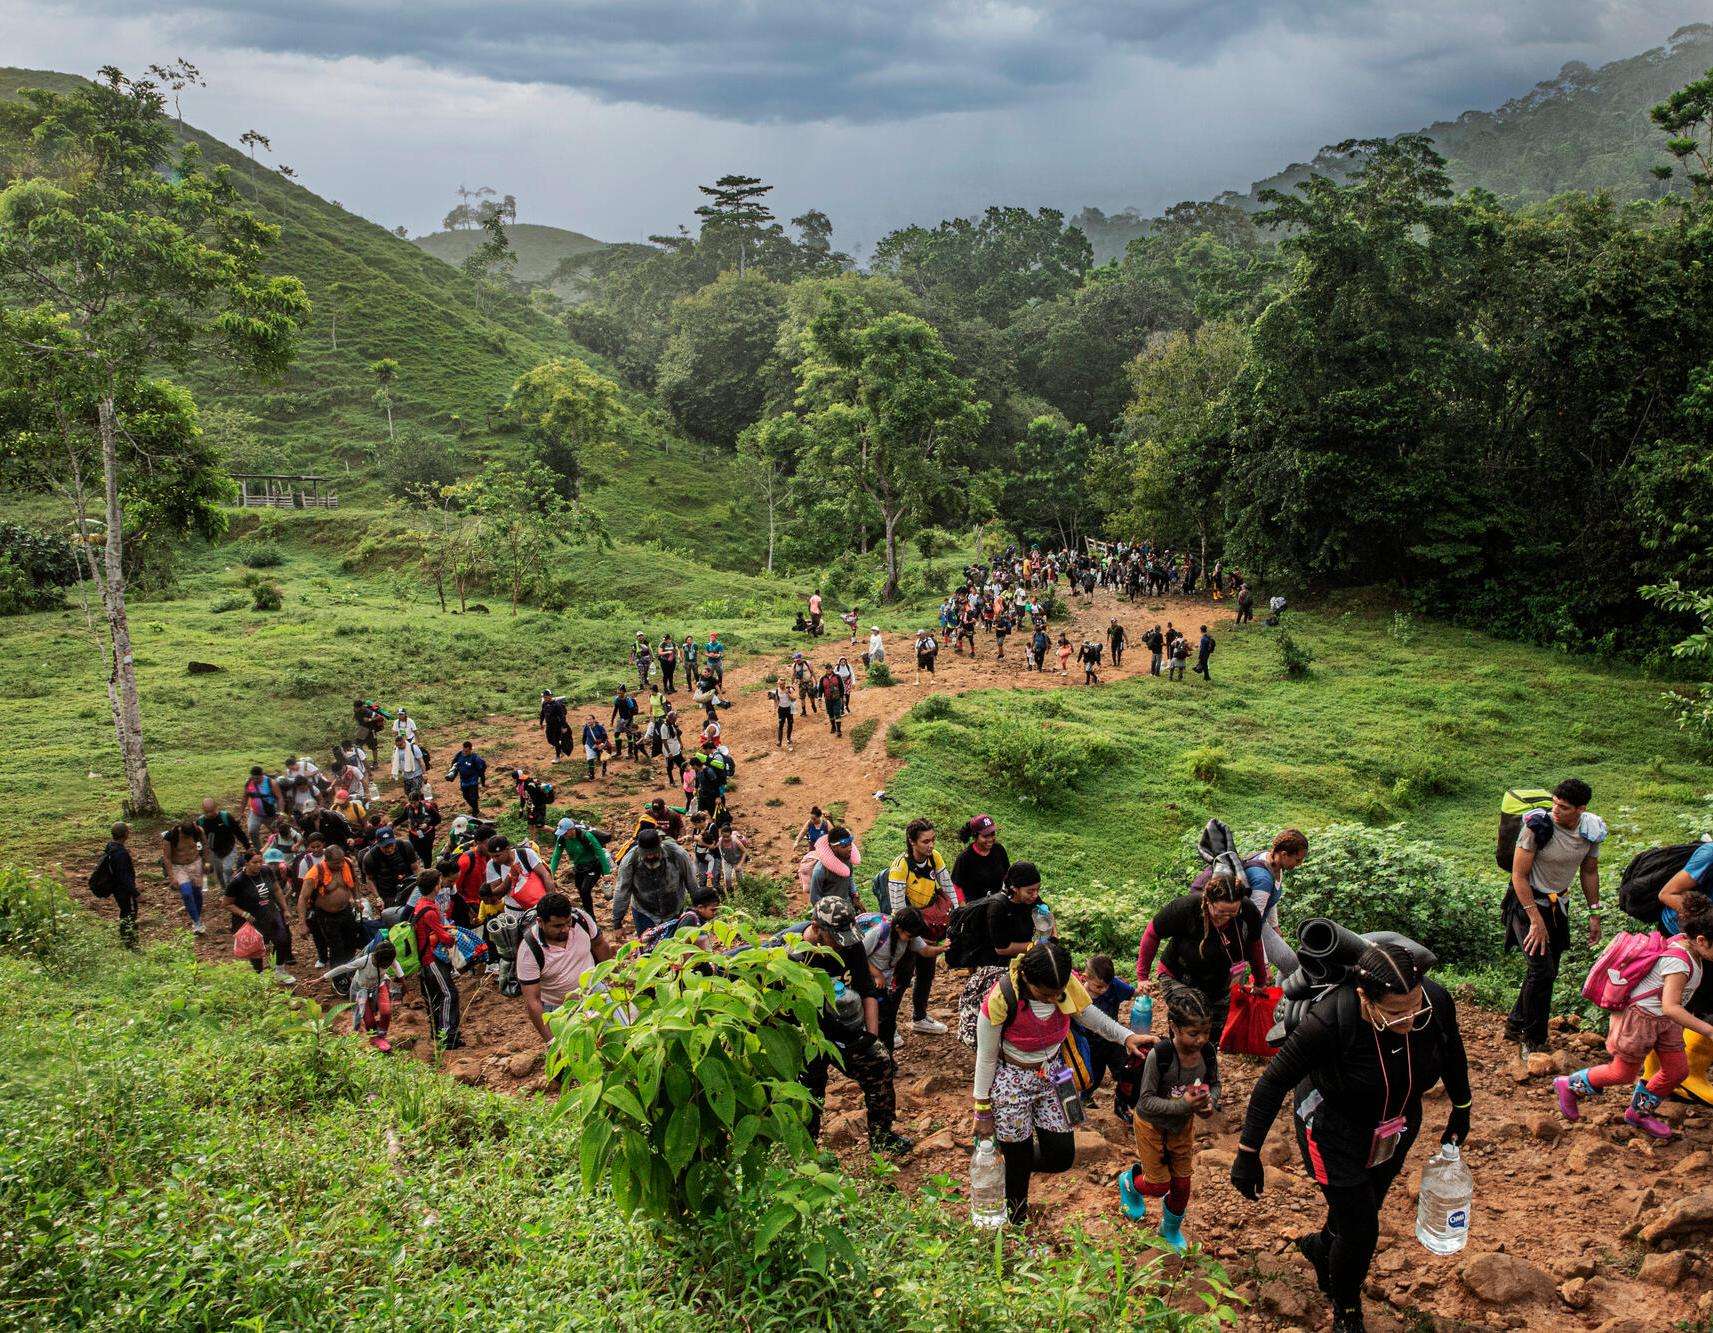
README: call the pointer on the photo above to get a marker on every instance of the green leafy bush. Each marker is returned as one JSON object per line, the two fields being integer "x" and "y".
{"x": 682, "y": 1080}
{"x": 1295, "y": 659}
{"x": 1101, "y": 917}
{"x": 879, "y": 673}
{"x": 1038, "y": 761}
{"x": 1383, "y": 879}
{"x": 259, "y": 554}
{"x": 935, "y": 708}
{"x": 231, "y": 602}
{"x": 761, "y": 895}
{"x": 267, "y": 597}
{"x": 34, "y": 568}
{"x": 862, "y": 733}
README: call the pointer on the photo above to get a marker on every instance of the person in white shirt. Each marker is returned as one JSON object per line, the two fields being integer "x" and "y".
{"x": 876, "y": 646}
{"x": 408, "y": 767}
{"x": 404, "y": 725}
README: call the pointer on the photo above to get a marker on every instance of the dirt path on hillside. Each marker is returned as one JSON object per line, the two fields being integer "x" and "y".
{"x": 1556, "y": 1205}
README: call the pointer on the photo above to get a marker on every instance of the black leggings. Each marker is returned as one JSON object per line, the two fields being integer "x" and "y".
{"x": 586, "y": 878}
{"x": 667, "y": 670}
{"x": 921, "y": 967}
{"x": 785, "y": 724}
{"x": 1347, "y": 1239}
{"x": 1047, "y": 1153}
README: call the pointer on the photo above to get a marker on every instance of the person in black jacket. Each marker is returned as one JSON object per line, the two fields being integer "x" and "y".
{"x": 391, "y": 867}
{"x": 118, "y": 872}
{"x": 981, "y": 866}
{"x": 1356, "y": 1067}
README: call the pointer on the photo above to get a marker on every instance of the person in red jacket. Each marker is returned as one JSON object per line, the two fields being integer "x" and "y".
{"x": 468, "y": 873}
{"x": 439, "y": 989}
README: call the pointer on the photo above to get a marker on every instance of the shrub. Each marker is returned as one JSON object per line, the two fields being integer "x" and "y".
{"x": 1110, "y": 918}
{"x": 266, "y": 597}
{"x": 863, "y": 733}
{"x": 879, "y": 673}
{"x": 1206, "y": 764}
{"x": 33, "y": 569}
{"x": 1295, "y": 659}
{"x": 1037, "y": 761}
{"x": 1382, "y": 879}
{"x": 258, "y": 554}
{"x": 1403, "y": 628}
{"x": 1426, "y": 772}
{"x": 682, "y": 1080}
{"x": 935, "y": 708}
{"x": 758, "y": 893}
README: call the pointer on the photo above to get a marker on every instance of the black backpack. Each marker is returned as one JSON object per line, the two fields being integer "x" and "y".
{"x": 1646, "y": 875}
{"x": 966, "y": 934}
{"x": 101, "y": 878}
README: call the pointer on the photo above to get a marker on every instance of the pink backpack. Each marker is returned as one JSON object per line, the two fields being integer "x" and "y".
{"x": 1623, "y": 963}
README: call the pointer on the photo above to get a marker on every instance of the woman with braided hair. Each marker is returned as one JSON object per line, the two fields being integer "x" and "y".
{"x": 1356, "y": 1068}
{"x": 1203, "y": 940}
{"x": 1021, "y": 1079}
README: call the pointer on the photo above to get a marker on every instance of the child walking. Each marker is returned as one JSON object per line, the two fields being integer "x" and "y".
{"x": 1651, "y": 1020}
{"x": 1177, "y": 1086}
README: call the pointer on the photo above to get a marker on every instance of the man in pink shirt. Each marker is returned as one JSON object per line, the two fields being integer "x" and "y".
{"x": 553, "y": 955}
{"x": 815, "y": 613}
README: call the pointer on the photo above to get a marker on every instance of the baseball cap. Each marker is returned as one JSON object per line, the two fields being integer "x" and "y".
{"x": 648, "y": 838}
{"x": 838, "y": 918}
{"x": 385, "y": 836}
{"x": 564, "y": 826}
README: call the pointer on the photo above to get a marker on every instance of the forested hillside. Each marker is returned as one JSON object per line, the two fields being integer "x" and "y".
{"x": 1584, "y": 129}
{"x": 540, "y": 251}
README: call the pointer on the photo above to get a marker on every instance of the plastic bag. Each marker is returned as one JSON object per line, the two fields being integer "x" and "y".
{"x": 469, "y": 947}
{"x": 1247, "y": 1024}
{"x": 248, "y": 943}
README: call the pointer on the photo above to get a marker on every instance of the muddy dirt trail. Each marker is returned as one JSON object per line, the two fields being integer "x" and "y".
{"x": 1575, "y": 1227}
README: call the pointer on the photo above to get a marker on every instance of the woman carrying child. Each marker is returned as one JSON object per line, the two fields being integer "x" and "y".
{"x": 1652, "y": 1021}
{"x": 1177, "y": 1087}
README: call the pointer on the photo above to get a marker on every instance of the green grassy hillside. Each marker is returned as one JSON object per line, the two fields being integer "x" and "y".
{"x": 538, "y": 249}
{"x": 375, "y": 295}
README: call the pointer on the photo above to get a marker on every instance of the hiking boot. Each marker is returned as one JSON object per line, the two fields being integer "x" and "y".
{"x": 1312, "y": 1246}
{"x": 1130, "y": 1199}
{"x": 197, "y": 928}
{"x": 932, "y": 1027}
{"x": 890, "y": 1142}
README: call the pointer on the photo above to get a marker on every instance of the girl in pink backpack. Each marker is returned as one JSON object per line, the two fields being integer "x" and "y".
{"x": 1644, "y": 980}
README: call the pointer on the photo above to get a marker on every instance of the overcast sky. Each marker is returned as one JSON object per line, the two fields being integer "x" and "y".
{"x": 604, "y": 116}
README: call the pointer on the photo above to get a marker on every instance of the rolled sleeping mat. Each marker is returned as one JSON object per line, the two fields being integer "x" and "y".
{"x": 1300, "y": 986}
{"x": 1290, "y": 1012}
{"x": 1424, "y": 956}
{"x": 1325, "y": 948}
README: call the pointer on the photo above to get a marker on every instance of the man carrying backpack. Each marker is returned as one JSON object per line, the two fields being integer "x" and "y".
{"x": 261, "y": 801}
{"x": 553, "y": 955}
{"x": 654, "y": 881}
{"x": 1554, "y": 848}
{"x": 224, "y": 838}
{"x": 115, "y": 877}
{"x": 471, "y": 770}
{"x": 390, "y": 866}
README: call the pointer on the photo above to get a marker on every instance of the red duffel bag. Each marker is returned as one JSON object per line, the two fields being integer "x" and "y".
{"x": 1249, "y": 1021}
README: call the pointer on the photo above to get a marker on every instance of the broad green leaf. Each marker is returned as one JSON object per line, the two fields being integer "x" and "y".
{"x": 718, "y": 1083}
{"x": 626, "y": 1101}
{"x": 778, "y": 1218}
{"x": 682, "y": 1136}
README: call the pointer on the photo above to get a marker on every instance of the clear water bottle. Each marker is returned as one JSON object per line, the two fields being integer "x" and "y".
{"x": 1442, "y": 1210}
{"x": 987, "y": 1186}
{"x": 1043, "y": 922}
{"x": 847, "y": 1004}
{"x": 1142, "y": 1013}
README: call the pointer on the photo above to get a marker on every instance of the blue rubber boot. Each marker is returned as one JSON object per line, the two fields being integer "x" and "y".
{"x": 1130, "y": 1199}
{"x": 1171, "y": 1229}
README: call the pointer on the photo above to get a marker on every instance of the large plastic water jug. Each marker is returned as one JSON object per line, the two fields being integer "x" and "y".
{"x": 987, "y": 1186}
{"x": 1442, "y": 1208}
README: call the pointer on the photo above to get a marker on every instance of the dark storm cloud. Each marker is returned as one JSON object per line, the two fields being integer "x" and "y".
{"x": 759, "y": 60}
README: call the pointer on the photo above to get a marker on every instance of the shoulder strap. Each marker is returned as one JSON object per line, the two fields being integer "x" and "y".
{"x": 1008, "y": 993}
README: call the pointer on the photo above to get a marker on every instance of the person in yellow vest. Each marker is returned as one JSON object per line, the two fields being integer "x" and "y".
{"x": 920, "y": 879}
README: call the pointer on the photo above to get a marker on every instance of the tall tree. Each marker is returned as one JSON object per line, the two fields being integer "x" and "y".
{"x": 711, "y": 373}
{"x": 522, "y": 513}
{"x": 386, "y": 373}
{"x": 772, "y": 448}
{"x": 492, "y": 263}
{"x": 252, "y": 140}
{"x": 735, "y": 215}
{"x": 567, "y": 407}
{"x": 118, "y": 259}
{"x": 888, "y": 418}
{"x": 178, "y": 76}
{"x": 989, "y": 267}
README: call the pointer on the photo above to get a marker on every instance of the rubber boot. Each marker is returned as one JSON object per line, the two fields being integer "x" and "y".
{"x": 1643, "y": 1104}
{"x": 1171, "y": 1229}
{"x": 1570, "y": 1089}
{"x": 1348, "y": 1319}
{"x": 1130, "y": 1199}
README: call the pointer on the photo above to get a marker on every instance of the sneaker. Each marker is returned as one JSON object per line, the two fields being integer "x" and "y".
{"x": 197, "y": 928}
{"x": 1569, "y": 1105}
{"x": 284, "y": 978}
{"x": 897, "y": 1040}
{"x": 1648, "y": 1124}
{"x": 891, "y": 1143}
{"x": 932, "y": 1027}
